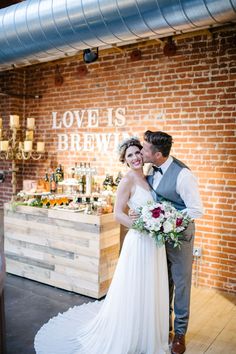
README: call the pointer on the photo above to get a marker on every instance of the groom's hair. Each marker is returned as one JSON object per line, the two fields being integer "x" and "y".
{"x": 160, "y": 141}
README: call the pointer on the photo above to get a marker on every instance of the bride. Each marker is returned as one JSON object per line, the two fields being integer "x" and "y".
{"x": 134, "y": 317}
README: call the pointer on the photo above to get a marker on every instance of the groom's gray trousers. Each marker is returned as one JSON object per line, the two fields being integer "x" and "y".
{"x": 179, "y": 262}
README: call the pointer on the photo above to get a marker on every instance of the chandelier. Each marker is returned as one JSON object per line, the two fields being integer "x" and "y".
{"x": 19, "y": 148}
{"x": 17, "y": 145}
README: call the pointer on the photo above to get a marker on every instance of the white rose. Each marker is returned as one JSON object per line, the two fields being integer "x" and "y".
{"x": 167, "y": 227}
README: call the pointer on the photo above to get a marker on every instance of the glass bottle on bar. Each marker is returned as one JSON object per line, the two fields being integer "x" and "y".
{"x": 72, "y": 172}
{"x": 59, "y": 174}
{"x": 46, "y": 182}
{"x": 46, "y": 178}
{"x": 83, "y": 173}
{"x": 53, "y": 183}
{"x": 75, "y": 169}
{"x": 106, "y": 181}
{"x": 118, "y": 179}
{"x": 80, "y": 179}
{"x": 88, "y": 180}
{"x": 110, "y": 183}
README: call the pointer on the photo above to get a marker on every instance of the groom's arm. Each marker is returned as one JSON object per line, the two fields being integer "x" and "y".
{"x": 187, "y": 188}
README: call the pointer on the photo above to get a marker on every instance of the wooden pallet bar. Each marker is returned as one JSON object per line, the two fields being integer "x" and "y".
{"x": 72, "y": 251}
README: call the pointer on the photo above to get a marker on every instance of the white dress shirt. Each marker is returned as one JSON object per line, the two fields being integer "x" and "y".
{"x": 186, "y": 187}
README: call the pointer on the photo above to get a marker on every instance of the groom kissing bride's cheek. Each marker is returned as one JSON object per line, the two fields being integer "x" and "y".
{"x": 154, "y": 268}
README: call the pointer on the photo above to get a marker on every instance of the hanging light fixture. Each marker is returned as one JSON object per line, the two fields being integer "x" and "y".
{"x": 135, "y": 55}
{"x": 90, "y": 56}
{"x": 170, "y": 48}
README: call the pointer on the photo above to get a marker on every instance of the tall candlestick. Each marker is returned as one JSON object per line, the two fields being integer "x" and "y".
{"x": 40, "y": 146}
{"x": 4, "y": 145}
{"x": 30, "y": 123}
{"x": 28, "y": 146}
{"x": 0, "y": 132}
{"x": 0, "y": 122}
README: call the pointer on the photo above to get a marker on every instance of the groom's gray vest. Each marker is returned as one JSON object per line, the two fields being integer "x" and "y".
{"x": 166, "y": 190}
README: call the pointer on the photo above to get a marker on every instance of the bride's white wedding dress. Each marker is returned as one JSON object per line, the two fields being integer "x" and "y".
{"x": 133, "y": 318}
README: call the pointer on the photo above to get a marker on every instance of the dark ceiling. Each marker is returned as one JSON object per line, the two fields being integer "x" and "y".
{"x": 5, "y": 3}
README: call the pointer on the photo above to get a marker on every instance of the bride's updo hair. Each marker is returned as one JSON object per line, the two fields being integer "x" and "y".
{"x": 125, "y": 144}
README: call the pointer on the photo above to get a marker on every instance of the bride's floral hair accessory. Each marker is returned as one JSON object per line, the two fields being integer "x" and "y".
{"x": 125, "y": 144}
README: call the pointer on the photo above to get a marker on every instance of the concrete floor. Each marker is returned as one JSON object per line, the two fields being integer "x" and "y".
{"x": 28, "y": 305}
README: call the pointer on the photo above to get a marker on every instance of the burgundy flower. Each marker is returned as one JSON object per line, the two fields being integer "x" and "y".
{"x": 179, "y": 222}
{"x": 156, "y": 213}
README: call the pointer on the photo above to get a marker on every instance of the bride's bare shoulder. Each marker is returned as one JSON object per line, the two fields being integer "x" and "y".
{"x": 129, "y": 177}
{"x": 124, "y": 178}
{"x": 127, "y": 180}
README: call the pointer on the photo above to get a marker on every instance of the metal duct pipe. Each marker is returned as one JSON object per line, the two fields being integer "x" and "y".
{"x": 45, "y": 29}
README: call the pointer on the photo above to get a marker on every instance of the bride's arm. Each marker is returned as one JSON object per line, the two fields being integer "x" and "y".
{"x": 122, "y": 197}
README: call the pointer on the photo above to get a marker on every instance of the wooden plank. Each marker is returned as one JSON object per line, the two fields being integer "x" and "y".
{"x": 77, "y": 273}
{"x": 45, "y": 277}
{"x": 27, "y": 270}
{"x": 22, "y": 245}
{"x": 66, "y": 234}
{"x": 113, "y": 238}
{"x": 74, "y": 281}
{"x": 103, "y": 286}
{"x": 107, "y": 218}
{"x": 107, "y": 271}
{"x": 111, "y": 251}
{"x": 58, "y": 247}
{"x": 22, "y": 209}
{"x": 80, "y": 262}
{"x": 76, "y": 217}
{"x": 28, "y": 261}
{"x": 110, "y": 226}
{"x": 45, "y": 223}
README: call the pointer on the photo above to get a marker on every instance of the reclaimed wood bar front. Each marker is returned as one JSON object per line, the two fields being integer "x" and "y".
{"x": 72, "y": 251}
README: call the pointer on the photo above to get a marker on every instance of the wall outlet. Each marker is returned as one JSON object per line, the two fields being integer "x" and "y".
{"x": 197, "y": 251}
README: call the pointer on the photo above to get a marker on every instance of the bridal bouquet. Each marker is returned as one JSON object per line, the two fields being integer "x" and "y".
{"x": 162, "y": 222}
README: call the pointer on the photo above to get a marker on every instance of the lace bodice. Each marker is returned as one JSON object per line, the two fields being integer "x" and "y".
{"x": 140, "y": 197}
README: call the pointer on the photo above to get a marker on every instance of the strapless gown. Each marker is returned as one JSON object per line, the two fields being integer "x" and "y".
{"x": 134, "y": 316}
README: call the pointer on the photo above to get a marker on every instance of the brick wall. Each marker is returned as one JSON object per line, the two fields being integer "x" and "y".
{"x": 190, "y": 95}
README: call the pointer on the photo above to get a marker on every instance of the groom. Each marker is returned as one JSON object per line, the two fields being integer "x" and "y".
{"x": 172, "y": 180}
